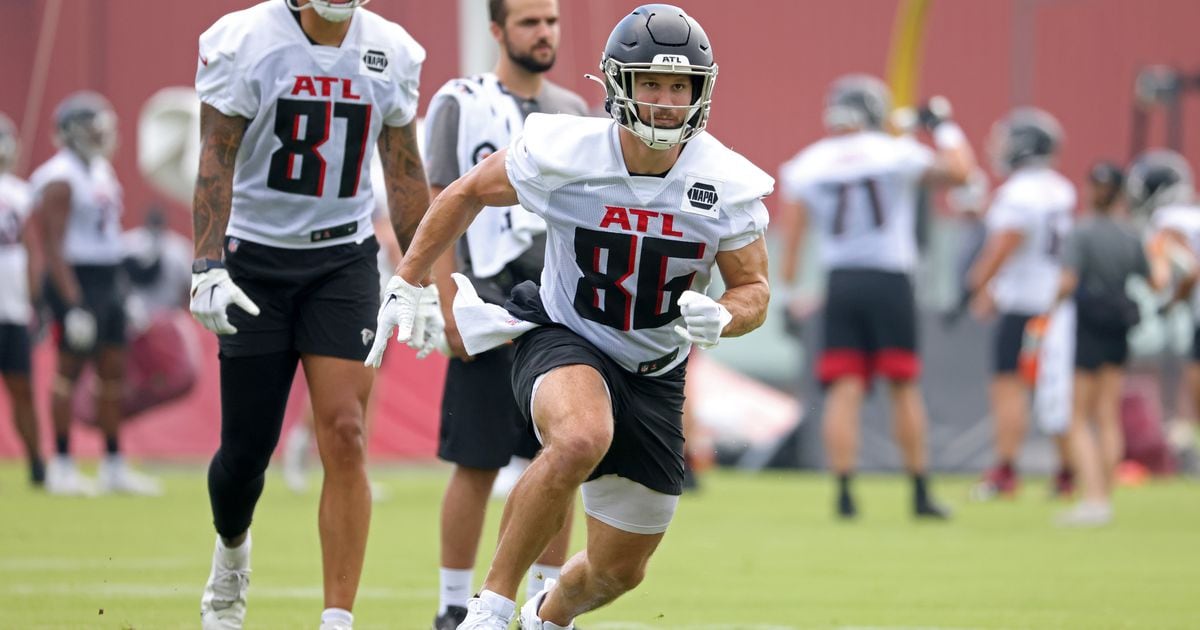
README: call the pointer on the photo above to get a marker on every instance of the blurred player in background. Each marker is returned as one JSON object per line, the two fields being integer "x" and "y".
{"x": 481, "y": 425}
{"x": 600, "y": 368}
{"x": 860, "y": 185}
{"x": 1017, "y": 276}
{"x": 1160, "y": 184}
{"x": 293, "y": 96}
{"x": 79, "y": 212}
{"x": 15, "y": 302}
{"x": 1103, "y": 252}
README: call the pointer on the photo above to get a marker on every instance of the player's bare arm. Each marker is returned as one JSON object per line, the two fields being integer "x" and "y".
{"x": 220, "y": 139}
{"x": 485, "y": 185}
{"x": 995, "y": 252}
{"x": 446, "y": 265}
{"x": 53, "y": 214}
{"x": 404, "y": 176}
{"x": 747, "y": 293}
{"x": 952, "y": 166}
{"x": 793, "y": 238}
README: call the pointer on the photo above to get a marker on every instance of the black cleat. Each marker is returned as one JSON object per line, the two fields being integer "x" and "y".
{"x": 930, "y": 510}
{"x": 846, "y": 509}
{"x": 450, "y": 619}
{"x": 37, "y": 473}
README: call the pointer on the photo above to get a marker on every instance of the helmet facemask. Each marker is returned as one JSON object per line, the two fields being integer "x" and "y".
{"x": 334, "y": 12}
{"x": 620, "y": 79}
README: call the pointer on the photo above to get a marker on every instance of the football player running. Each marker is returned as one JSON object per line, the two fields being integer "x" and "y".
{"x": 293, "y": 95}
{"x": 79, "y": 210}
{"x": 15, "y": 311}
{"x": 1017, "y": 275}
{"x": 638, "y": 210}
{"x": 481, "y": 426}
{"x": 860, "y": 186}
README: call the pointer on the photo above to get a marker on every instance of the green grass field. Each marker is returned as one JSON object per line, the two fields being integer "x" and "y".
{"x": 751, "y": 552}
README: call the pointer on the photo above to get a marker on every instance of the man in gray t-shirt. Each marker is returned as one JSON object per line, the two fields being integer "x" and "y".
{"x": 482, "y": 427}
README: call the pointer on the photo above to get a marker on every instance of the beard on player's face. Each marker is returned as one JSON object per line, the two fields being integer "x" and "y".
{"x": 538, "y": 59}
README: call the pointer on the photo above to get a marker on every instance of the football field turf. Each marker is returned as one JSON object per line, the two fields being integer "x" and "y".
{"x": 750, "y": 552}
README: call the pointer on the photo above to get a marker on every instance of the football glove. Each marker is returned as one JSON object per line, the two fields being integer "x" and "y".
{"x": 398, "y": 314}
{"x": 79, "y": 329}
{"x": 703, "y": 317}
{"x": 213, "y": 291}
{"x": 429, "y": 327}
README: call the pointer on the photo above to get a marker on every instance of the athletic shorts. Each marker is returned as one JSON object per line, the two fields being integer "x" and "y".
{"x": 1006, "y": 347}
{"x": 1094, "y": 349}
{"x": 103, "y": 290}
{"x": 482, "y": 426}
{"x": 314, "y": 301}
{"x": 870, "y": 327}
{"x": 647, "y": 444}
{"x": 15, "y": 349}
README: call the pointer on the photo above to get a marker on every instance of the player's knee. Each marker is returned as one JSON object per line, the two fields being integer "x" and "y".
{"x": 343, "y": 437}
{"x": 580, "y": 450}
{"x": 620, "y": 578}
{"x": 241, "y": 464}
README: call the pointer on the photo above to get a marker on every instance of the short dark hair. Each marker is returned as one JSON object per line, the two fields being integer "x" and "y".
{"x": 498, "y": 11}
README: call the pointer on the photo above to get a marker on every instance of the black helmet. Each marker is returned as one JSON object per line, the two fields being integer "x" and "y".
{"x": 86, "y": 123}
{"x": 1159, "y": 177}
{"x": 1027, "y": 135}
{"x": 658, "y": 38}
{"x": 857, "y": 101}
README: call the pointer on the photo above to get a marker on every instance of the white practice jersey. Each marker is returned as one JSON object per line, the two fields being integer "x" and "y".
{"x": 315, "y": 113}
{"x": 1038, "y": 203}
{"x": 621, "y": 249}
{"x": 1184, "y": 219}
{"x": 861, "y": 190}
{"x": 15, "y": 205}
{"x": 93, "y": 233}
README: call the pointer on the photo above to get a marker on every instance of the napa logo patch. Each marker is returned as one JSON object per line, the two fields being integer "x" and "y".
{"x": 702, "y": 196}
{"x": 374, "y": 60}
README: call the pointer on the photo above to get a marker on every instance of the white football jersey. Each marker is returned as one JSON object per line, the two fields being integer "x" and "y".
{"x": 621, "y": 249}
{"x": 1185, "y": 219}
{"x": 15, "y": 205}
{"x": 93, "y": 234}
{"x": 1039, "y": 203}
{"x": 861, "y": 190}
{"x": 315, "y": 112}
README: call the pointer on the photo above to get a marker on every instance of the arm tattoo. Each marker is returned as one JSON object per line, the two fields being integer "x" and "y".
{"x": 220, "y": 138}
{"x": 407, "y": 188}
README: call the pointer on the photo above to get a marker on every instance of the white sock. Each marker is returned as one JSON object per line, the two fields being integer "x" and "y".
{"x": 455, "y": 588}
{"x": 337, "y": 615}
{"x": 500, "y": 605}
{"x": 235, "y": 556}
{"x": 538, "y": 574}
{"x": 296, "y": 444}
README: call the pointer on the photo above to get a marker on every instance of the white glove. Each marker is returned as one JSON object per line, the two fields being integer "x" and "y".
{"x": 429, "y": 326}
{"x": 397, "y": 313}
{"x": 212, "y": 293}
{"x": 79, "y": 329}
{"x": 703, "y": 317}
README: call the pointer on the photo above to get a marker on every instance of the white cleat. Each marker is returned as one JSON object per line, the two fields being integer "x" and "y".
{"x": 489, "y": 611}
{"x": 1086, "y": 514}
{"x": 529, "y": 619}
{"x": 116, "y": 476}
{"x": 223, "y": 605}
{"x": 62, "y": 478}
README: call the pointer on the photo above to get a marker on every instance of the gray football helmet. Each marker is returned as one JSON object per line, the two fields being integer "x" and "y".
{"x": 857, "y": 101}
{"x": 658, "y": 38}
{"x": 1026, "y": 136}
{"x": 8, "y": 143}
{"x": 86, "y": 124}
{"x": 1159, "y": 177}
